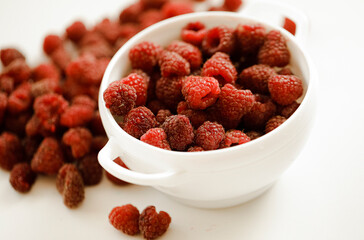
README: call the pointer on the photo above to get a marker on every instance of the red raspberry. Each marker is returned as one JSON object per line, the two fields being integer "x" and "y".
{"x": 99, "y": 49}
{"x": 288, "y": 110}
{"x": 34, "y": 127}
{"x": 289, "y": 25}
{"x": 175, "y": 8}
{"x": 125, "y": 218}
{"x": 85, "y": 69}
{"x": 30, "y": 145}
{"x": 90, "y": 169}
{"x": 127, "y": 30}
{"x": 188, "y": 51}
{"x": 250, "y": 37}
{"x": 153, "y": 224}
{"x": 113, "y": 179}
{"x": 79, "y": 113}
{"x": 140, "y": 84}
{"x": 79, "y": 139}
{"x": 233, "y": 138}
{"x": 162, "y": 115}
{"x": 18, "y": 70}
{"x": 11, "y": 150}
{"x": 254, "y": 135}
{"x": 220, "y": 67}
{"x": 6, "y": 84}
{"x": 232, "y": 5}
{"x": 7, "y": 55}
{"x": 218, "y": 39}
{"x": 179, "y": 131}
{"x": 285, "y": 89}
{"x": 274, "y": 51}
{"x": 131, "y": 13}
{"x": 108, "y": 29}
{"x": 20, "y": 99}
{"x": 49, "y": 157}
{"x": 45, "y": 70}
{"x": 138, "y": 121}
{"x": 69, "y": 183}
{"x": 156, "y": 137}
{"x": 256, "y": 78}
{"x": 273, "y": 123}
{"x": 172, "y": 64}
{"x": 168, "y": 90}
{"x": 51, "y": 43}
{"x": 155, "y": 106}
{"x": 22, "y": 177}
{"x": 197, "y": 117}
{"x": 194, "y": 33}
{"x": 45, "y": 86}
{"x": 200, "y": 92}
{"x": 3, "y": 105}
{"x": 144, "y": 56}
{"x": 76, "y": 31}
{"x": 195, "y": 149}
{"x": 149, "y": 17}
{"x": 209, "y": 135}
{"x": 153, "y": 3}
{"x": 61, "y": 58}
{"x": 285, "y": 71}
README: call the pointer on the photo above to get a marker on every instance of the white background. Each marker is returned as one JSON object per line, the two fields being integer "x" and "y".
{"x": 320, "y": 197}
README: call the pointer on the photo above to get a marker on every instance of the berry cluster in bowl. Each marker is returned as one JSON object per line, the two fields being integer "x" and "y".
{"x": 211, "y": 89}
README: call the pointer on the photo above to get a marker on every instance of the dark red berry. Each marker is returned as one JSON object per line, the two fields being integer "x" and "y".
{"x": 125, "y": 218}
{"x": 218, "y": 39}
{"x": 79, "y": 113}
{"x": 256, "y": 78}
{"x": 76, "y": 31}
{"x": 234, "y": 138}
{"x": 11, "y": 150}
{"x": 179, "y": 131}
{"x": 273, "y": 123}
{"x": 113, "y": 179}
{"x": 85, "y": 69}
{"x": 138, "y": 121}
{"x": 285, "y": 89}
{"x": 79, "y": 139}
{"x": 22, "y": 177}
{"x": 250, "y": 37}
{"x": 254, "y": 134}
{"x": 168, "y": 91}
{"x": 18, "y": 70}
{"x": 197, "y": 117}
{"x": 162, "y": 115}
{"x": 288, "y": 110}
{"x": 195, "y": 149}
{"x": 153, "y": 224}
{"x": 209, "y": 135}
{"x": 7, "y": 55}
{"x": 20, "y": 99}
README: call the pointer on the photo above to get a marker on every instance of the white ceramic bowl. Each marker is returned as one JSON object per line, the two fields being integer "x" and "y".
{"x": 210, "y": 179}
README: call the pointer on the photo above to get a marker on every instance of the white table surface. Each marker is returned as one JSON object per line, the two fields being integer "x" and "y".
{"x": 320, "y": 197}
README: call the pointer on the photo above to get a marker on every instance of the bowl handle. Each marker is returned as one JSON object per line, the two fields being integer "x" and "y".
{"x": 273, "y": 12}
{"x": 110, "y": 151}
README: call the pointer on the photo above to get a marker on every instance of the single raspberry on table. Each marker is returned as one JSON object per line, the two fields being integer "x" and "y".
{"x": 11, "y": 150}
{"x": 169, "y": 91}
{"x": 220, "y": 67}
{"x": 79, "y": 139}
{"x": 156, "y": 137}
{"x": 209, "y": 135}
{"x": 51, "y": 42}
{"x": 172, "y": 64}
{"x": 20, "y": 99}
{"x": 90, "y": 169}
{"x": 22, "y": 177}
{"x": 285, "y": 89}
{"x": 197, "y": 117}
{"x": 7, "y": 55}
{"x": 249, "y": 37}
{"x": 194, "y": 33}
{"x": 232, "y": 5}
{"x": 145, "y": 56}
{"x": 218, "y": 39}
{"x": 140, "y": 83}
{"x": 175, "y": 8}
{"x": 274, "y": 51}
{"x": 288, "y": 110}
{"x": 138, "y": 121}
{"x": 188, "y": 51}
{"x": 113, "y": 179}
{"x": 45, "y": 70}
{"x": 162, "y": 115}
{"x": 256, "y": 78}
{"x": 125, "y": 218}
{"x": 18, "y": 70}
{"x": 153, "y": 224}
{"x": 273, "y": 123}
{"x": 76, "y": 31}
{"x": 233, "y": 138}
{"x": 179, "y": 132}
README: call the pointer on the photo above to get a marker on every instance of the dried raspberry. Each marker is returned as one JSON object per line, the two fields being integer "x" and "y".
{"x": 234, "y": 138}
{"x": 153, "y": 224}
{"x": 20, "y": 99}
{"x": 131, "y": 13}
{"x": 288, "y": 110}
{"x": 256, "y": 78}
{"x": 274, "y": 51}
{"x": 79, "y": 139}
{"x": 51, "y": 43}
{"x": 220, "y": 67}
{"x": 85, "y": 69}
{"x": 162, "y": 115}
{"x": 140, "y": 84}
{"x": 113, "y": 179}
{"x": 250, "y": 37}
{"x": 45, "y": 86}
{"x": 18, "y": 70}
{"x": 188, "y": 51}
{"x": 76, "y": 31}
{"x": 149, "y": 17}
{"x": 7, "y": 55}
{"x": 119, "y": 98}
{"x": 69, "y": 183}
{"x": 273, "y": 123}
{"x": 194, "y": 33}
{"x": 138, "y": 121}
{"x": 22, "y": 177}
{"x": 285, "y": 71}
{"x": 200, "y": 92}
{"x": 79, "y": 113}
{"x": 155, "y": 106}
{"x": 285, "y": 89}
{"x": 254, "y": 135}
{"x": 197, "y": 117}
{"x": 45, "y": 70}
{"x": 6, "y": 84}
{"x": 61, "y": 58}
{"x": 156, "y": 137}
{"x": 11, "y": 150}
{"x": 232, "y": 5}
{"x": 175, "y": 8}
{"x": 90, "y": 169}
{"x": 289, "y": 25}
{"x": 168, "y": 90}
{"x": 172, "y": 64}
{"x": 144, "y": 56}
{"x": 108, "y": 29}
{"x": 3, "y": 105}
{"x": 179, "y": 131}
{"x": 195, "y": 149}
{"x": 218, "y": 39}
{"x": 209, "y": 135}
{"x": 125, "y": 218}
{"x": 49, "y": 157}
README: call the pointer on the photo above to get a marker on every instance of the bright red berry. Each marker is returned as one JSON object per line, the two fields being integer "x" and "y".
{"x": 76, "y": 31}
{"x": 79, "y": 139}
{"x": 140, "y": 84}
{"x": 125, "y": 218}
{"x": 156, "y": 137}
{"x": 172, "y": 64}
{"x": 188, "y": 51}
{"x": 285, "y": 89}
{"x": 51, "y": 43}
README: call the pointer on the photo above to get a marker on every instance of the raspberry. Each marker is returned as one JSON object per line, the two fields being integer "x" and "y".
{"x": 250, "y": 37}
{"x": 175, "y": 8}
{"x": 76, "y": 31}
{"x": 155, "y": 106}
{"x": 90, "y": 170}
{"x": 197, "y": 117}
{"x": 11, "y": 150}
{"x": 3, "y": 105}
{"x": 232, "y": 5}
{"x": 45, "y": 86}
{"x": 234, "y": 138}
{"x": 22, "y": 177}
{"x": 125, "y": 218}
{"x": 274, "y": 51}
{"x": 15, "y": 123}
{"x": 113, "y": 179}
{"x": 156, "y": 137}
{"x": 168, "y": 91}
{"x": 79, "y": 113}
{"x": 131, "y": 13}
{"x": 140, "y": 84}
{"x": 45, "y": 70}
{"x": 34, "y": 127}
{"x": 153, "y": 3}
{"x": 218, "y": 39}
{"x": 6, "y": 84}
{"x": 7, "y": 55}
{"x": 18, "y": 70}
{"x": 200, "y": 92}
{"x": 127, "y": 30}
{"x": 79, "y": 140}
{"x": 99, "y": 49}
{"x": 209, "y": 135}
{"x": 119, "y": 98}
{"x": 138, "y": 121}
{"x": 85, "y": 69}
{"x": 285, "y": 71}
{"x": 108, "y": 29}
{"x": 194, "y": 33}
{"x": 254, "y": 135}
{"x": 188, "y": 51}
{"x": 179, "y": 131}
{"x": 69, "y": 183}
{"x": 20, "y": 99}
{"x": 288, "y": 110}
{"x": 51, "y": 43}
{"x": 150, "y": 17}
{"x": 162, "y": 115}
{"x": 285, "y": 89}
{"x": 273, "y": 123}
{"x": 48, "y": 158}
{"x": 195, "y": 149}
{"x": 144, "y": 56}
{"x": 153, "y": 224}
{"x": 289, "y": 25}
{"x": 256, "y": 78}
{"x": 61, "y": 58}
{"x": 172, "y": 64}
{"x": 98, "y": 142}
{"x": 220, "y": 67}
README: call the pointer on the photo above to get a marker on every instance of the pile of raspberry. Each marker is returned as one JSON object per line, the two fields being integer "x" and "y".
{"x": 211, "y": 89}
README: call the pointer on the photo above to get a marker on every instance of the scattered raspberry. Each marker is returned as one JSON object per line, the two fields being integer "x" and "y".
{"x": 172, "y": 64}
{"x": 188, "y": 51}
{"x": 61, "y": 58}
{"x": 3, "y": 105}
{"x": 218, "y": 39}
{"x": 49, "y": 157}
{"x": 250, "y": 37}
{"x": 153, "y": 224}
{"x": 274, "y": 51}
{"x": 168, "y": 91}
{"x": 18, "y": 70}
{"x": 197, "y": 117}
{"x": 51, "y": 43}
{"x": 195, "y": 149}
{"x": 90, "y": 169}
{"x": 200, "y": 92}
{"x": 288, "y": 110}
{"x": 162, "y": 115}
{"x": 22, "y": 177}
{"x": 79, "y": 113}
{"x": 285, "y": 89}
{"x": 155, "y": 106}
{"x": 156, "y": 137}
{"x": 273, "y": 123}
{"x": 234, "y": 138}
{"x": 108, "y": 29}
{"x": 179, "y": 131}
{"x": 256, "y": 78}
{"x": 6, "y": 84}
{"x": 127, "y": 30}
{"x": 113, "y": 179}
{"x": 7, "y": 55}
{"x": 85, "y": 69}
{"x": 140, "y": 84}
{"x": 220, "y": 67}
{"x": 11, "y": 150}
{"x": 175, "y": 8}
{"x": 254, "y": 134}
{"x": 131, "y": 13}
{"x": 125, "y": 218}
{"x": 94, "y": 44}
{"x": 149, "y": 17}
{"x": 20, "y": 99}
{"x": 209, "y": 135}
{"x": 194, "y": 33}
{"x": 45, "y": 86}
{"x": 232, "y": 5}
{"x": 76, "y": 31}
{"x": 289, "y": 25}
{"x": 144, "y": 56}
{"x": 79, "y": 140}
{"x": 138, "y": 121}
